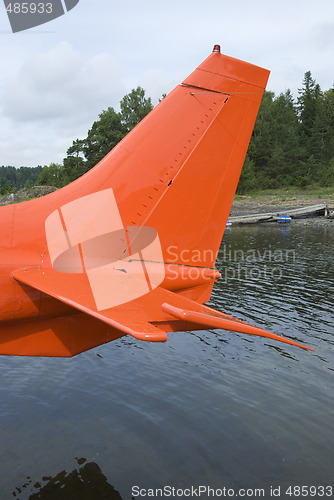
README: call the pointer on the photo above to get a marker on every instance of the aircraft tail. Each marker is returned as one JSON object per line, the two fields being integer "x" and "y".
{"x": 178, "y": 169}
{"x": 216, "y": 107}
{"x": 124, "y": 244}
{"x": 175, "y": 174}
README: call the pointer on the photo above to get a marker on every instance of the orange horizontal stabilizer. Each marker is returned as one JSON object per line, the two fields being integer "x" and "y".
{"x": 212, "y": 320}
{"x": 144, "y": 318}
{"x": 73, "y": 290}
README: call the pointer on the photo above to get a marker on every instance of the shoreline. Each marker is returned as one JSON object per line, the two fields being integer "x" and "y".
{"x": 246, "y": 205}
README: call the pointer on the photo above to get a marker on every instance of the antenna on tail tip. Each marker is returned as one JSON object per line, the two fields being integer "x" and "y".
{"x": 216, "y": 48}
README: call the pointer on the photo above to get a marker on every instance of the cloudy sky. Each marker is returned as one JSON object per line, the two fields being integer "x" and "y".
{"x": 55, "y": 79}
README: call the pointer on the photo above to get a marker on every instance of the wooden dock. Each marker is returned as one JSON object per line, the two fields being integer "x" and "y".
{"x": 295, "y": 213}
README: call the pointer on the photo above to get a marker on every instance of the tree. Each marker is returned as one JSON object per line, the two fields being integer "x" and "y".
{"x": 51, "y": 175}
{"x": 310, "y": 114}
{"x": 328, "y": 116}
{"x": 134, "y": 107}
{"x": 292, "y": 144}
{"x": 106, "y": 133}
{"x": 74, "y": 163}
{"x": 12, "y": 179}
{"x": 284, "y": 162}
{"x": 307, "y": 102}
{"x": 247, "y": 181}
{"x": 262, "y": 141}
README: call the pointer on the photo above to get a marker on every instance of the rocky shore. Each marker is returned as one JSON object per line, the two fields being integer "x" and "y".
{"x": 246, "y": 205}
{"x": 26, "y": 194}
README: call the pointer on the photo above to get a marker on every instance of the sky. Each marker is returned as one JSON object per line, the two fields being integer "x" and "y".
{"x": 56, "y": 79}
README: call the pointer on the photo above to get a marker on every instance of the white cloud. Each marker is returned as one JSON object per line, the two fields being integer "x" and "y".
{"x": 60, "y": 83}
{"x": 53, "y": 98}
{"x": 30, "y": 145}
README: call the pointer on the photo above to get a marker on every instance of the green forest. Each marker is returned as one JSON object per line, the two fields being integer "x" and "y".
{"x": 292, "y": 144}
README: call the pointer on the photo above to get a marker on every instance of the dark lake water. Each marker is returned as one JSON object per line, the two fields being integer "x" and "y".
{"x": 209, "y": 409}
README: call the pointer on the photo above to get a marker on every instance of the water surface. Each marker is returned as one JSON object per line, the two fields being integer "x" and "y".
{"x": 209, "y": 408}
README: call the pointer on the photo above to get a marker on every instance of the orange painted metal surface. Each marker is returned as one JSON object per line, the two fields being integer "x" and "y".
{"x": 130, "y": 247}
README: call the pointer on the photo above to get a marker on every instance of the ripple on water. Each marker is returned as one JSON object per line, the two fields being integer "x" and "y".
{"x": 209, "y": 407}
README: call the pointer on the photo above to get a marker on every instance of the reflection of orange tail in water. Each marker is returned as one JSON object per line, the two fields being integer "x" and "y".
{"x": 130, "y": 247}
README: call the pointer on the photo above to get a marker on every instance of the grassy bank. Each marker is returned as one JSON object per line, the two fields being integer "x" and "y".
{"x": 290, "y": 193}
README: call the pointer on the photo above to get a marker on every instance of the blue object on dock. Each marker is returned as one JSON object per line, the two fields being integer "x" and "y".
{"x": 284, "y": 218}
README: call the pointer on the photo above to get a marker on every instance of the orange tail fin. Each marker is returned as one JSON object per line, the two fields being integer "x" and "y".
{"x": 178, "y": 170}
